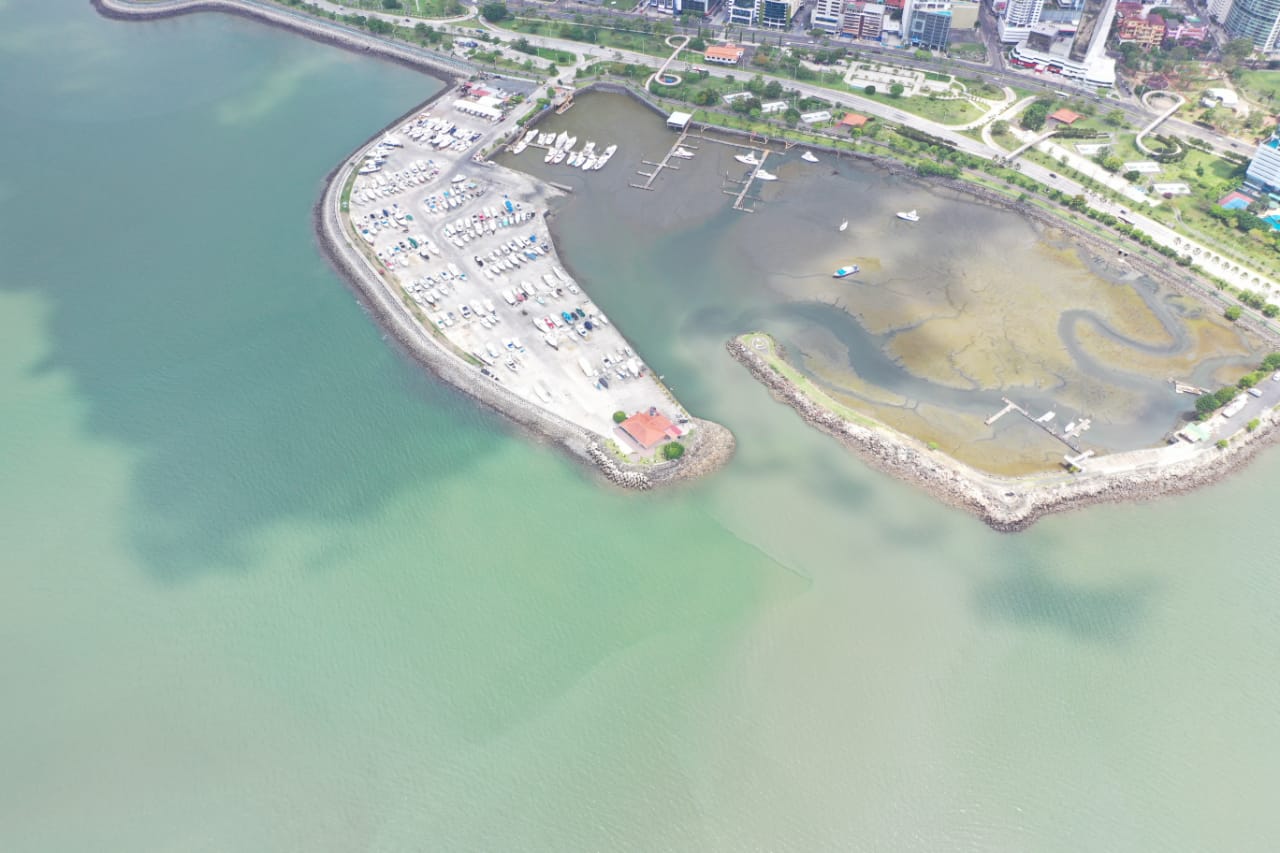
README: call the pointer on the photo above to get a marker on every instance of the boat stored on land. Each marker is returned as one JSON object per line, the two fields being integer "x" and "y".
{"x": 845, "y": 271}
{"x": 844, "y": 225}
{"x": 909, "y": 215}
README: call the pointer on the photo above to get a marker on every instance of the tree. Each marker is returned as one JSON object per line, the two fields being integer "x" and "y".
{"x": 1133, "y": 176}
{"x": 896, "y": 90}
{"x": 1253, "y": 424}
{"x": 1232, "y": 313}
{"x": 1271, "y": 362}
{"x": 869, "y": 89}
{"x": 1225, "y": 394}
{"x": 1223, "y": 444}
{"x": 1206, "y": 404}
{"x": 772, "y": 89}
{"x": 495, "y": 11}
{"x": 672, "y": 450}
{"x": 791, "y": 116}
{"x": 1000, "y": 127}
{"x": 1115, "y": 118}
{"x": 1238, "y": 48}
{"x": 698, "y": 44}
{"x": 619, "y": 416}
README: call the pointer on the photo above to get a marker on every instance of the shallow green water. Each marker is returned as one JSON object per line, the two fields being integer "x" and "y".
{"x": 267, "y": 587}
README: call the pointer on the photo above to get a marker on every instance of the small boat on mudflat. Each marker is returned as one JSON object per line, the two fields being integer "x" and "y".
{"x": 845, "y": 271}
{"x": 808, "y": 157}
{"x": 844, "y": 225}
{"x": 909, "y": 216}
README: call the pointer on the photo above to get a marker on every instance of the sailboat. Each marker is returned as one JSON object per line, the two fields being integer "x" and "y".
{"x": 844, "y": 225}
{"x": 808, "y": 157}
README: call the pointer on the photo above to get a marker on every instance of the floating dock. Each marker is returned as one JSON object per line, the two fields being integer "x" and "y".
{"x": 741, "y": 194}
{"x": 665, "y": 163}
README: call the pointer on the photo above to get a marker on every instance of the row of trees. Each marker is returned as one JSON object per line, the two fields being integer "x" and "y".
{"x": 1207, "y": 404}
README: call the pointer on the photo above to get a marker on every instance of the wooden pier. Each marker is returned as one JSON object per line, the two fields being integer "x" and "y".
{"x": 665, "y": 163}
{"x": 1045, "y": 422}
{"x": 1009, "y": 407}
{"x": 1185, "y": 388}
{"x": 741, "y": 194}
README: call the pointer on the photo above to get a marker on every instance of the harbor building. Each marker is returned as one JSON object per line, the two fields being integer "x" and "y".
{"x": 1258, "y": 20}
{"x": 1264, "y": 169}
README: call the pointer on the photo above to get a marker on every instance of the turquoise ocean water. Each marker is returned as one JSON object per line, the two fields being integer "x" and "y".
{"x": 266, "y": 586}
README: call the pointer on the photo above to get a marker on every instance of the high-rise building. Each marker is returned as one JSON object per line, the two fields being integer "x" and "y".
{"x": 777, "y": 13}
{"x": 927, "y": 23}
{"x": 1018, "y": 19}
{"x": 742, "y": 12}
{"x": 1258, "y": 20}
{"x": 1218, "y": 9}
{"x": 827, "y": 15}
{"x": 1264, "y": 169}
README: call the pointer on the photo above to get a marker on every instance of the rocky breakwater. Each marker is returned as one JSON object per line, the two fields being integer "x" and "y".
{"x": 1010, "y": 504}
{"x": 320, "y": 29}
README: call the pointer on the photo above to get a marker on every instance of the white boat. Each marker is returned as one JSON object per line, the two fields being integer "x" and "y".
{"x": 748, "y": 159}
{"x": 844, "y": 225}
{"x": 572, "y": 141}
{"x": 561, "y": 139}
{"x": 575, "y": 159}
{"x": 845, "y": 271}
{"x": 604, "y": 158}
{"x": 558, "y": 155}
{"x": 766, "y": 176}
{"x": 682, "y": 153}
{"x": 808, "y": 157}
{"x": 588, "y": 162}
{"x": 909, "y": 216}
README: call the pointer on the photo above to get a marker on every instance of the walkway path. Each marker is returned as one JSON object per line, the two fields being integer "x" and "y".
{"x": 1178, "y": 102}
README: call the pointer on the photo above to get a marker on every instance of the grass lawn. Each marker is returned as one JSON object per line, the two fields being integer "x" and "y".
{"x": 1262, "y": 87}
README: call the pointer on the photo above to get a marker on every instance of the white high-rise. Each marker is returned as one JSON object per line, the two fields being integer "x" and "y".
{"x": 827, "y": 15}
{"x": 1018, "y": 19}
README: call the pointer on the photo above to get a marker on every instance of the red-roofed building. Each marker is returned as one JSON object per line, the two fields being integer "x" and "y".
{"x": 647, "y": 430}
{"x": 1065, "y": 116}
{"x": 853, "y": 120}
{"x": 724, "y": 54}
